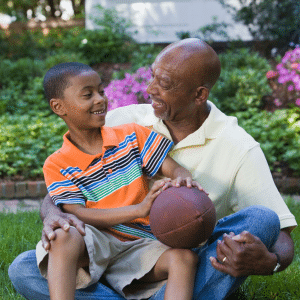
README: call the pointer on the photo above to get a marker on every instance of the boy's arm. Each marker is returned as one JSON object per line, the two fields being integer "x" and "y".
{"x": 54, "y": 218}
{"x": 105, "y": 218}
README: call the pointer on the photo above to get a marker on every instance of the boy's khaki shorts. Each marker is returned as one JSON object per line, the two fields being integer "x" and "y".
{"x": 118, "y": 262}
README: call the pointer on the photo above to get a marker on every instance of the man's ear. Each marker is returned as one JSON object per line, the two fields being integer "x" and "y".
{"x": 202, "y": 94}
{"x": 57, "y": 106}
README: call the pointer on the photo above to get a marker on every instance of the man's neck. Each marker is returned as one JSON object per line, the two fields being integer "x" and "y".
{"x": 179, "y": 130}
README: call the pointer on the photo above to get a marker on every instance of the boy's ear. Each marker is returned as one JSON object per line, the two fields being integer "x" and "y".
{"x": 202, "y": 94}
{"x": 57, "y": 106}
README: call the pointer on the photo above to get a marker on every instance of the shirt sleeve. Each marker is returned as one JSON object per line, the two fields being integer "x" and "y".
{"x": 254, "y": 185}
{"x": 153, "y": 149}
{"x": 141, "y": 114}
{"x": 60, "y": 187}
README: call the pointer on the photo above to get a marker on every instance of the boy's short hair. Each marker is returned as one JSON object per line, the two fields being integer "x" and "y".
{"x": 57, "y": 78}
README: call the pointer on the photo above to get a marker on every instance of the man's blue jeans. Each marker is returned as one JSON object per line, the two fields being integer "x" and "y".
{"x": 209, "y": 283}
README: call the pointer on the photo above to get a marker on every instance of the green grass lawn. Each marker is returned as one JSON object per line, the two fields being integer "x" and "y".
{"x": 20, "y": 232}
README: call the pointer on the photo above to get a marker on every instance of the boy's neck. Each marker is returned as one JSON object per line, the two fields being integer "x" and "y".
{"x": 89, "y": 142}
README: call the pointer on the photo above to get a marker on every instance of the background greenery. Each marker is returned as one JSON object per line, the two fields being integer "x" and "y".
{"x": 30, "y": 132}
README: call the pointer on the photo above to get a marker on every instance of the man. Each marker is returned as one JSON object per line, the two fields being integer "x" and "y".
{"x": 252, "y": 236}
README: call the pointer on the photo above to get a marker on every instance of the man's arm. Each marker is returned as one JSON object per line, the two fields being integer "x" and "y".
{"x": 254, "y": 185}
{"x": 284, "y": 247}
{"x": 247, "y": 255}
{"x": 54, "y": 218}
{"x": 181, "y": 176}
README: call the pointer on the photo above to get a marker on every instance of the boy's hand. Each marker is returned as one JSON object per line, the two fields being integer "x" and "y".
{"x": 158, "y": 186}
{"x": 61, "y": 220}
{"x": 187, "y": 181}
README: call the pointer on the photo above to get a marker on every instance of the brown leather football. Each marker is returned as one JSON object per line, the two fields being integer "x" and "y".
{"x": 182, "y": 217}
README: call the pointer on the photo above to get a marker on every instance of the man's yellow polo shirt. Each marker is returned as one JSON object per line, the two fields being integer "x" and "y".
{"x": 227, "y": 162}
{"x": 117, "y": 177}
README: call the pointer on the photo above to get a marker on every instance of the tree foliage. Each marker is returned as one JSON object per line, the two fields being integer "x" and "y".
{"x": 18, "y": 8}
{"x": 23, "y": 9}
{"x": 269, "y": 19}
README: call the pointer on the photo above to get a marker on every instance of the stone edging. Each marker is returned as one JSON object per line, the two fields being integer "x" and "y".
{"x": 37, "y": 189}
{"x": 22, "y": 189}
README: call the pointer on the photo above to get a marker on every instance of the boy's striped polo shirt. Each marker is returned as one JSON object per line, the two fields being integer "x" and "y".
{"x": 116, "y": 177}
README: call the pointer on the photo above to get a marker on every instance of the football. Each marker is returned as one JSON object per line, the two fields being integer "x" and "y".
{"x": 182, "y": 217}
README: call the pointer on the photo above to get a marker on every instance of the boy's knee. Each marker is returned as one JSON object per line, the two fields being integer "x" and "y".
{"x": 67, "y": 239}
{"x": 183, "y": 257}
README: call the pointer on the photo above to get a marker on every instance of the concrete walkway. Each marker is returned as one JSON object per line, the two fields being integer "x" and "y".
{"x": 19, "y": 205}
{"x": 34, "y": 204}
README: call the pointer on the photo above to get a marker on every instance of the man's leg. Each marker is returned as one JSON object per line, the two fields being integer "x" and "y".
{"x": 211, "y": 284}
{"x": 28, "y": 281}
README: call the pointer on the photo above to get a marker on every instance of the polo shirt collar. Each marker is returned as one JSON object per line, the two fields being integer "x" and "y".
{"x": 82, "y": 160}
{"x": 210, "y": 129}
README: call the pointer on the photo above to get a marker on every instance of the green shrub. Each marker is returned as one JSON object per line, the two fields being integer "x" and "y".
{"x": 26, "y": 141}
{"x": 242, "y": 82}
{"x": 144, "y": 55}
{"x": 243, "y": 59}
{"x": 15, "y": 45}
{"x": 98, "y": 46}
{"x": 62, "y": 57}
{"x": 32, "y": 44}
{"x": 21, "y": 71}
{"x": 111, "y": 42}
{"x": 30, "y": 101}
{"x": 277, "y": 133}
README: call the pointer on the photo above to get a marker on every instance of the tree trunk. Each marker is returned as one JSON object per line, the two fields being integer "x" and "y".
{"x": 52, "y": 8}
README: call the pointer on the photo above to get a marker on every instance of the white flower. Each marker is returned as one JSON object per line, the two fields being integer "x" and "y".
{"x": 84, "y": 41}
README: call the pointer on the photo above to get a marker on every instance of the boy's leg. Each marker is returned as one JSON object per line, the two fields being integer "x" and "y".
{"x": 179, "y": 267}
{"x": 211, "y": 284}
{"x": 28, "y": 281}
{"x": 67, "y": 254}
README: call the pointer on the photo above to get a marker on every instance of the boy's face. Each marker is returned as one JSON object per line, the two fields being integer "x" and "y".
{"x": 84, "y": 102}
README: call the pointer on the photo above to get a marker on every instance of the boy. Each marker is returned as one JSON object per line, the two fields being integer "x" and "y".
{"x": 100, "y": 175}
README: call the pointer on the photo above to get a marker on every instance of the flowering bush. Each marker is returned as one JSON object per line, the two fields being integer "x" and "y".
{"x": 285, "y": 80}
{"x": 130, "y": 90}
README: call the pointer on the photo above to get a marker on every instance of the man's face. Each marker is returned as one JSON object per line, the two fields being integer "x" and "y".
{"x": 85, "y": 102}
{"x": 171, "y": 89}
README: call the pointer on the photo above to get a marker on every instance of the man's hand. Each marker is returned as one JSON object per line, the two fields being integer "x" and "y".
{"x": 59, "y": 220}
{"x": 242, "y": 255}
{"x": 185, "y": 181}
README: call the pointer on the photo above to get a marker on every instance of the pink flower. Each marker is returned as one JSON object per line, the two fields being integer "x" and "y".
{"x": 286, "y": 57}
{"x": 290, "y": 88}
{"x": 297, "y": 102}
{"x": 125, "y": 92}
{"x": 284, "y": 79}
{"x": 277, "y": 102}
{"x": 297, "y": 86}
{"x": 296, "y": 79}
